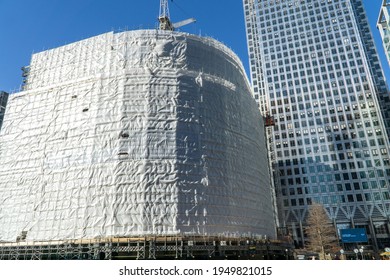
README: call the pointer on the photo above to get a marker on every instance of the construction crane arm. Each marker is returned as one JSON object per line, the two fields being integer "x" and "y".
{"x": 183, "y": 22}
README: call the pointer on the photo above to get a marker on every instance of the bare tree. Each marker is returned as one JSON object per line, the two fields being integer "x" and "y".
{"x": 321, "y": 235}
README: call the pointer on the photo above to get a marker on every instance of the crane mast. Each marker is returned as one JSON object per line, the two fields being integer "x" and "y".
{"x": 165, "y": 19}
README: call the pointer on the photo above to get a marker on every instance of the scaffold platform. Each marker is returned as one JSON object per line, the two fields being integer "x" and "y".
{"x": 141, "y": 248}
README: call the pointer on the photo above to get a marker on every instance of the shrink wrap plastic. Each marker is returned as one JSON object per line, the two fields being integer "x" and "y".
{"x": 136, "y": 133}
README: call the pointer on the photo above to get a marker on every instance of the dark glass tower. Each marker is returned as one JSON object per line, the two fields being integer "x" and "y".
{"x": 3, "y": 104}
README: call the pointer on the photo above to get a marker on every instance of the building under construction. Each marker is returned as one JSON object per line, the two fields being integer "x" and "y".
{"x": 139, "y": 144}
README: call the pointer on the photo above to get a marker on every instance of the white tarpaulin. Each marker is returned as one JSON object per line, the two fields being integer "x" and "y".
{"x": 134, "y": 133}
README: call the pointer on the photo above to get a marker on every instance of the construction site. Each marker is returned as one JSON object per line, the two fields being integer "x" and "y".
{"x": 142, "y": 248}
{"x": 142, "y": 144}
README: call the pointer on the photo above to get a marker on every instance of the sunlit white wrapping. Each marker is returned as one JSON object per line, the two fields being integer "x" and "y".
{"x": 134, "y": 133}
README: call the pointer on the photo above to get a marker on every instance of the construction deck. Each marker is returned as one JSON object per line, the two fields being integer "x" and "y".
{"x": 140, "y": 248}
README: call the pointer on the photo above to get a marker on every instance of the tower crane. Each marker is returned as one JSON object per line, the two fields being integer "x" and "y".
{"x": 165, "y": 20}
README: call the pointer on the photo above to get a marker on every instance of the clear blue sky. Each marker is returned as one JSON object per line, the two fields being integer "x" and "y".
{"x": 29, "y": 26}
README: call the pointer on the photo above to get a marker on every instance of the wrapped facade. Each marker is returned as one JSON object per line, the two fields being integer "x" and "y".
{"x": 135, "y": 133}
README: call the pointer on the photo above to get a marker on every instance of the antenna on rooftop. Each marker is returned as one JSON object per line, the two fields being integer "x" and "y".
{"x": 165, "y": 20}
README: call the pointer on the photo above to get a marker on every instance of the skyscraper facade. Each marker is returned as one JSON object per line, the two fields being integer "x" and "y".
{"x": 383, "y": 25}
{"x": 314, "y": 69}
{"x": 3, "y": 104}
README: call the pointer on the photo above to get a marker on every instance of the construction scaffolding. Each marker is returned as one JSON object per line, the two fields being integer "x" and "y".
{"x": 138, "y": 133}
{"x": 152, "y": 247}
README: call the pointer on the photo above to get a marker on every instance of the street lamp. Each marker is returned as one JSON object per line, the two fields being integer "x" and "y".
{"x": 341, "y": 254}
{"x": 267, "y": 242}
{"x": 361, "y": 251}
{"x": 286, "y": 254}
{"x": 356, "y": 252}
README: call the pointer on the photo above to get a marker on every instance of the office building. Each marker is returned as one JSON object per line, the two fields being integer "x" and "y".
{"x": 314, "y": 69}
{"x": 3, "y": 104}
{"x": 383, "y": 25}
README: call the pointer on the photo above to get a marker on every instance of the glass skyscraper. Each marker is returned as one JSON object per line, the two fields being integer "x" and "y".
{"x": 3, "y": 104}
{"x": 315, "y": 70}
{"x": 383, "y": 25}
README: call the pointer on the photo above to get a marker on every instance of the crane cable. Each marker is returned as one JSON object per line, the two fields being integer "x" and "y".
{"x": 180, "y": 8}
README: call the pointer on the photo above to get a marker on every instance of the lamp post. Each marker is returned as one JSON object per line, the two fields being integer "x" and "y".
{"x": 267, "y": 247}
{"x": 286, "y": 254}
{"x": 361, "y": 252}
{"x": 356, "y": 253}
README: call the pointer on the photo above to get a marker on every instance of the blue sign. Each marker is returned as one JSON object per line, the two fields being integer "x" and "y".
{"x": 353, "y": 235}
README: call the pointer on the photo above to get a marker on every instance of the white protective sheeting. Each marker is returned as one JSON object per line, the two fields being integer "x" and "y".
{"x": 134, "y": 133}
